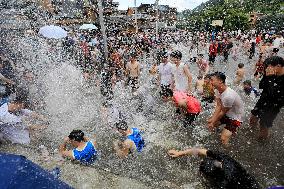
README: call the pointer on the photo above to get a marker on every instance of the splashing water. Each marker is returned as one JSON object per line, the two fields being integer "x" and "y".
{"x": 69, "y": 104}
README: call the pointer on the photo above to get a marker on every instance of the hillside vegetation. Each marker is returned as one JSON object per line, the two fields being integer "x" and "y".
{"x": 235, "y": 13}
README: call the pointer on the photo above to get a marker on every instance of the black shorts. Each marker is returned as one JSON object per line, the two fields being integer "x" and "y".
{"x": 133, "y": 82}
{"x": 258, "y": 73}
{"x": 189, "y": 118}
{"x": 266, "y": 117}
{"x": 212, "y": 58}
{"x": 166, "y": 91}
{"x": 275, "y": 50}
{"x": 193, "y": 59}
{"x": 208, "y": 99}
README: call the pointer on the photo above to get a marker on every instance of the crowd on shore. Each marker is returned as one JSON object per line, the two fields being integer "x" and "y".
{"x": 189, "y": 92}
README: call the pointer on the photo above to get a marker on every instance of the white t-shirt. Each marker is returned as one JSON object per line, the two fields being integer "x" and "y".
{"x": 231, "y": 99}
{"x": 6, "y": 117}
{"x": 181, "y": 80}
{"x": 11, "y": 126}
{"x": 166, "y": 73}
{"x": 277, "y": 42}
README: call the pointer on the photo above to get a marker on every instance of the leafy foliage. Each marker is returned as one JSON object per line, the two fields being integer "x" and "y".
{"x": 234, "y": 13}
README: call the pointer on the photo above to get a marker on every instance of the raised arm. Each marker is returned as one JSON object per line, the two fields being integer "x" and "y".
{"x": 63, "y": 150}
{"x": 190, "y": 151}
{"x": 189, "y": 77}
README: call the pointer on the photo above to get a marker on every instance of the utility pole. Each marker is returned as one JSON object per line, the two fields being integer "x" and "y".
{"x": 103, "y": 30}
{"x": 157, "y": 18}
{"x": 136, "y": 24}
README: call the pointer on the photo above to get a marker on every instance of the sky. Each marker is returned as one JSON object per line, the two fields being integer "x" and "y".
{"x": 179, "y": 4}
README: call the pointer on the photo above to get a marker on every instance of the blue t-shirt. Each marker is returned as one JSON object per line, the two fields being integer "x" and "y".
{"x": 4, "y": 100}
{"x": 252, "y": 90}
{"x": 86, "y": 156}
{"x": 137, "y": 139}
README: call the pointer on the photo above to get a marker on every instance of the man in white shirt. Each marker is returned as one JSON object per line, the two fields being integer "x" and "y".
{"x": 182, "y": 76}
{"x": 229, "y": 109}
{"x": 12, "y": 127}
{"x": 165, "y": 76}
{"x": 277, "y": 43}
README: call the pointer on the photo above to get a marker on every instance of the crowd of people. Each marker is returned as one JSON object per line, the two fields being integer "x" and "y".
{"x": 189, "y": 92}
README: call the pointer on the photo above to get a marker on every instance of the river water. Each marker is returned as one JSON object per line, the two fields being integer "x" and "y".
{"x": 70, "y": 102}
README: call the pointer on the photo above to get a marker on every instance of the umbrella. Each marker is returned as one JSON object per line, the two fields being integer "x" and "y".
{"x": 18, "y": 172}
{"x": 52, "y": 31}
{"x": 88, "y": 27}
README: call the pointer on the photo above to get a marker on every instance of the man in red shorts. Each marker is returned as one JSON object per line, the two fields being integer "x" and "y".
{"x": 229, "y": 109}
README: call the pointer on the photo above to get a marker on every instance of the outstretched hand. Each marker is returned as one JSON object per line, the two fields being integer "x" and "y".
{"x": 173, "y": 153}
{"x": 210, "y": 126}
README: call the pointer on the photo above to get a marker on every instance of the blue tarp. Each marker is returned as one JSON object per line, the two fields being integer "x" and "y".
{"x": 20, "y": 173}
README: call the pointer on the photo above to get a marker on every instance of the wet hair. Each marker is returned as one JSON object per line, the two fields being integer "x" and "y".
{"x": 163, "y": 54}
{"x": 176, "y": 54}
{"x": 275, "y": 50}
{"x": 274, "y": 61}
{"x": 220, "y": 75}
{"x": 211, "y": 168}
{"x": 77, "y": 135}
{"x": 22, "y": 96}
{"x": 247, "y": 82}
{"x": 133, "y": 54}
{"x": 241, "y": 65}
{"x": 207, "y": 76}
{"x": 200, "y": 77}
{"x": 121, "y": 125}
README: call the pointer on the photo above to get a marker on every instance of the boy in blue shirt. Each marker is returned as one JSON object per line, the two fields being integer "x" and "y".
{"x": 248, "y": 89}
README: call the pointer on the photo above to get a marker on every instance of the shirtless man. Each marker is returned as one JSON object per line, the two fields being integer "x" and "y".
{"x": 240, "y": 74}
{"x": 134, "y": 142}
{"x": 133, "y": 72}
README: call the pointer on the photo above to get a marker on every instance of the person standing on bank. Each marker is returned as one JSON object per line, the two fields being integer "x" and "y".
{"x": 229, "y": 108}
{"x": 272, "y": 97}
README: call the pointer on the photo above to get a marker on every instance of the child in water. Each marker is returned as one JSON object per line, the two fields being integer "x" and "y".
{"x": 240, "y": 74}
{"x": 133, "y": 142}
{"x": 208, "y": 90}
{"x": 249, "y": 90}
